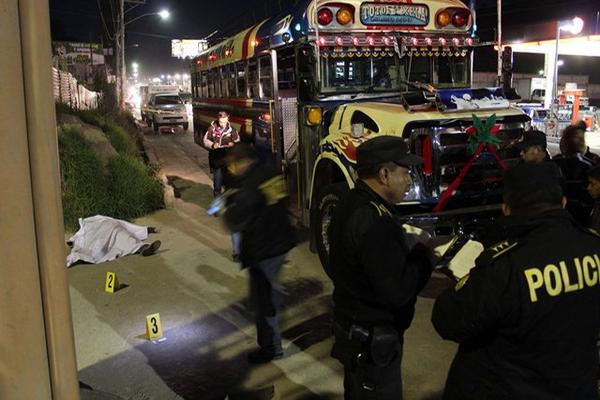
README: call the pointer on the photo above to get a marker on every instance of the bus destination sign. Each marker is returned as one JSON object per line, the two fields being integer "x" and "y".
{"x": 394, "y": 14}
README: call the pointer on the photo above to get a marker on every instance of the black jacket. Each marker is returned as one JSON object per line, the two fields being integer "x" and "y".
{"x": 376, "y": 278}
{"x": 527, "y": 317}
{"x": 258, "y": 209}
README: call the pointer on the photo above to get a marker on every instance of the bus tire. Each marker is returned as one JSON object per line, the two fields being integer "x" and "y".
{"x": 324, "y": 206}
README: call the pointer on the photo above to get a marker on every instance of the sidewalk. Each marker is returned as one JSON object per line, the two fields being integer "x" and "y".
{"x": 201, "y": 297}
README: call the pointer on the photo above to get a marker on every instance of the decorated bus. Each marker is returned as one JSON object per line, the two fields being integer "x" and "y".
{"x": 307, "y": 87}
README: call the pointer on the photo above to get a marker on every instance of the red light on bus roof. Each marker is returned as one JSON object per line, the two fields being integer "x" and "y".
{"x": 442, "y": 41}
{"x": 339, "y": 41}
{"x": 460, "y": 18}
{"x": 387, "y": 41}
{"x": 355, "y": 41}
{"x": 371, "y": 41}
{"x": 325, "y": 16}
{"x": 415, "y": 41}
{"x": 469, "y": 41}
{"x": 456, "y": 41}
{"x": 199, "y": 62}
{"x": 429, "y": 41}
{"x": 322, "y": 41}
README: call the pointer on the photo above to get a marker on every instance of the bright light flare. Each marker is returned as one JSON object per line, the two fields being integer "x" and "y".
{"x": 164, "y": 14}
{"x": 573, "y": 26}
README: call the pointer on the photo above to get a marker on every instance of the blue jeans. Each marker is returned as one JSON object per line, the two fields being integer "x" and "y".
{"x": 266, "y": 299}
{"x": 217, "y": 181}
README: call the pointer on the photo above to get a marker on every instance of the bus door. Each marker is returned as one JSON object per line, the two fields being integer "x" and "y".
{"x": 285, "y": 117}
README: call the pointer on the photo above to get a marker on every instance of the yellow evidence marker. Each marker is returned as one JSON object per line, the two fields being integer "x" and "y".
{"x": 153, "y": 327}
{"x": 112, "y": 283}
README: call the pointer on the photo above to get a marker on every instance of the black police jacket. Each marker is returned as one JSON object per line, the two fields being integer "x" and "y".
{"x": 376, "y": 277}
{"x": 527, "y": 316}
{"x": 259, "y": 210}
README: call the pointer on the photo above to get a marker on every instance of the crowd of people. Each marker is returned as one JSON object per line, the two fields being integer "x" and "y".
{"x": 526, "y": 317}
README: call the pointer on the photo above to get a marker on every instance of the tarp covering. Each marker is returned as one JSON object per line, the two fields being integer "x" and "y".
{"x": 102, "y": 239}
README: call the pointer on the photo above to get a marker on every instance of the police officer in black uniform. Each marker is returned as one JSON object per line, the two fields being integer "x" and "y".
{"x": 527, "y": 316}
{"x": 376, "y": 276}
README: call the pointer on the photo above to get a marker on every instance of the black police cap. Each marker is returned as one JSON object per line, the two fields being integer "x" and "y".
{"x": 530, "y": 177}
{"x": 383, "y": 149}
{"x": 533, "y": 138}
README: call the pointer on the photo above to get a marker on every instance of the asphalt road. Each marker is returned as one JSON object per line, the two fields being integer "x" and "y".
{"x": 201, "y": 297}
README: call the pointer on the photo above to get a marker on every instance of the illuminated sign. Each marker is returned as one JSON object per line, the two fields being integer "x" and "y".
{"x": 186, "y": 48}
{"x": 394, "y": 14}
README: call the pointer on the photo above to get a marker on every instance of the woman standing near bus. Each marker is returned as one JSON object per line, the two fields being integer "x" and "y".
{"x": 218, "y": 138}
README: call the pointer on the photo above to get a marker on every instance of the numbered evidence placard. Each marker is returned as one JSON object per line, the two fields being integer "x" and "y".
{"x": 112, "y": 283}
{"x": 153, "y": 327}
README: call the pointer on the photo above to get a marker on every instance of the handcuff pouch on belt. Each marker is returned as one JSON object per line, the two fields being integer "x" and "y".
{"x": 380, "y": 343}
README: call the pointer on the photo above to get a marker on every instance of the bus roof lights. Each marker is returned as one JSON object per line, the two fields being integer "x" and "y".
{"x": 355, "y": 41}
{"x": 344, "y": 16}
{"x": 456, "y": 41}
{"x": 387, "y": 41}
{"x": 469, "y": 41}
{"x": 339, "y": 41}
{"x": 429, "y": 41}
{"x": 443, "y": 41}
{"x": 322, "y": 41}
{"x": 415, "y": 41}
{"x": 371, "y": 41}
{"x": 443, "y": 19}
{"x": 460, "y": 18}
{"x": 325, "y": 16}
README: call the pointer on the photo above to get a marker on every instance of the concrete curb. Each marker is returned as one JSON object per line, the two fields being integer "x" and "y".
{"x": 168, "y": 191}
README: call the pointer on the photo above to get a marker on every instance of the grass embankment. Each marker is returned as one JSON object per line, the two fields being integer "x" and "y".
{"x": 125, "y": 188}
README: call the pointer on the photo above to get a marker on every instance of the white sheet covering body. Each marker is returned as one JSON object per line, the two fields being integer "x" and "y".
{"x": 102, "y": 239}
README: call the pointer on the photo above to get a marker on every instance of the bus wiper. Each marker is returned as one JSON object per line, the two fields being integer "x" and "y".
{"x": 421, "y": 86}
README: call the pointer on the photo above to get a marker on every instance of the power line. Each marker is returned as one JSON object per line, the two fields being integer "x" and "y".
{"x": 110, "y": 37}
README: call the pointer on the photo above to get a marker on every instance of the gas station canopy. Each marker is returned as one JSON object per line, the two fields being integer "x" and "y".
{"x": 588, "y": 46}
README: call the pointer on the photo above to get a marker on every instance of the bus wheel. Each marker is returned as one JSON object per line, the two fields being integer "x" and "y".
{"x": 325, "y": 204}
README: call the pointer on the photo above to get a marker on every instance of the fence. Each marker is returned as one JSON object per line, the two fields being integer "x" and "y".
{"x": 68, "y": 91}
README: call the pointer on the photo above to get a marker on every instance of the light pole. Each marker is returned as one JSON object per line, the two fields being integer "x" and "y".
{"x": 573, "y": 26}
{"x": 163, "y": 14}
{"x": 499, "y": 42}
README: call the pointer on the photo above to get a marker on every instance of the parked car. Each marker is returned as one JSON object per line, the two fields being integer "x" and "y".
{"x": 166, "y": 109}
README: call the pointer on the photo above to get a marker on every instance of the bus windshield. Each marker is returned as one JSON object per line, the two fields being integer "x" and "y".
{"x": 382, "y": 74}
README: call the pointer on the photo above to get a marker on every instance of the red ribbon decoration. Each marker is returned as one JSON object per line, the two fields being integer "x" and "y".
{"x": 449, "y": 193}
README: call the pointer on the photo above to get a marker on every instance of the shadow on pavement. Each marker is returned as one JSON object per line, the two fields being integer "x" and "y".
{"x": 191, "y": 192}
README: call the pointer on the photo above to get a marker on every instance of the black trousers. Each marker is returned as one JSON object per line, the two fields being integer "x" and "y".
{"x": 363, "y": 381}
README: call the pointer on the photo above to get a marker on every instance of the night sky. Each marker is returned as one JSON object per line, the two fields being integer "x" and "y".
{"x": 149, "y": 39}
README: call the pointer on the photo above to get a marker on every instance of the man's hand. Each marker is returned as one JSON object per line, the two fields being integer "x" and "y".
{"x": 230, "y": 144}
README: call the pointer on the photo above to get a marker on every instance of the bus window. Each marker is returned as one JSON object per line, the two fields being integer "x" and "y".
{"x": 266, "y": 77}
{"x": 211, "y": 83}
{"x": 286, "y": 72}
{"x": 374, "y": 74}
{"x": 204, "y": 84}
{"x": 217, "y": 81}
{"x": 223, "y": 81}
{"x": 452, "y": 71}
{"x": 230, "y": 79}
{"x": 240, "y": 69}
{"x": 252, "y": 80}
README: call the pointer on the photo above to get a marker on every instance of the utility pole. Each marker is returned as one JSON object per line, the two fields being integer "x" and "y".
{"x": 123, "y": 63}
{"x": 499, "y": 42}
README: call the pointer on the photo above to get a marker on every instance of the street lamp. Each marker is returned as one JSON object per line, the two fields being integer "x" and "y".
{"x": 574, "y": 26}
{"x": 163, "y": 14}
